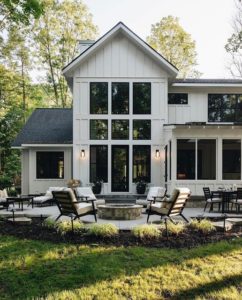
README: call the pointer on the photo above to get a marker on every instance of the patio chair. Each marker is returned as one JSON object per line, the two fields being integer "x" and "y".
{"x": 86, "y": 192}
{"x": 47, "y": 198}
{"x": 172, "y": 207}
{"x": 238, "y": 200}
{"x": 154, "y": 193}
{"x": 69, "y": 205}
{"x": 211, "y": 198}
{"x": 3, "y": 198}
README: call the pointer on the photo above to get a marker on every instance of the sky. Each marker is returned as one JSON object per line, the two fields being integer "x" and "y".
{"x": 208, "y": 21}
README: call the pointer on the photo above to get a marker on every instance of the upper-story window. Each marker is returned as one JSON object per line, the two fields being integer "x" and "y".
{"x": 141, "y": 98}
{"x": 120, "y": 98}
{"x": 98, "y": 129}
{"x": 177, "y": 98}
{"x": 141, "y": 129}
{"x": 98, "y": 98}
{"x": 120, "y": 129}
{"x": 224, "y": 108}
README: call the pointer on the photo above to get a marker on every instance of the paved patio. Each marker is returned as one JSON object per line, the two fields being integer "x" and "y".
{"x": 52, "y": 211}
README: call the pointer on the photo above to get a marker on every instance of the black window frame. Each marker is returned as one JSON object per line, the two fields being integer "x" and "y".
{"x": 182, "y": 100}
{"x": 51, "y": 164}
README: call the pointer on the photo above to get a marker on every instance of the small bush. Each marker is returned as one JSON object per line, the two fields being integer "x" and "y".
{"x": 66, "y": 226}
{"x": 175, "y": 228}
{"x": 49, "y": 223}
{"x": 205, "y": 226}
{"x": 146, "y": 231}
{"x": 103, "y": 230}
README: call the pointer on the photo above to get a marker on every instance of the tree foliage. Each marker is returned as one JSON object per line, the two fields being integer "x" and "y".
{"x": 175, "y": 44}
{"x": 56, "y": 35}
{"x": 234, "y": 44}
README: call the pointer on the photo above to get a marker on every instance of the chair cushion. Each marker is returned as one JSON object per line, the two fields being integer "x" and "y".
{"x": 83, "y": 208}
{"x": 99, "y": 202}
{"x": 214, "y": 200}
{"x": 42, "y": 199}
{"x": 85, "y": 192}
{"x": 239, "y": 201}
{"x": 142, "y": 202}
{"x": 158, "y": 208}
{"x": 4, "y": 193}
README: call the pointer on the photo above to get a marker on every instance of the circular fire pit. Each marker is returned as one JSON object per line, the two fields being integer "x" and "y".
{"x": 119, "y": 211}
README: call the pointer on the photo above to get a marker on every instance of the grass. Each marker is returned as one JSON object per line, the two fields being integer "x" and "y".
{"x": 41, "y": 270}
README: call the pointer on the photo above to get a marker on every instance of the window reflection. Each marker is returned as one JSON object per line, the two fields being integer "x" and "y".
{"x": 186, "y": 159}
{"x": 98, "y": 97}
{"x": 98, "y": 129}
{"x": 49, "y": 165}
{"x": 141, "y": 163}
{"x": 120, "y": 129}
{"x": 120, "y": 98}
{"x": 231, "y": 159}
{"x": 142, "y": 98}
{"x": 141, "y": 129}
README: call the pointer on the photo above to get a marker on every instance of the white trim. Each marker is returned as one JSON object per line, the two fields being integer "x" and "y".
{"x": 138, "y": 41}
{"x": 207, "y": 85}
{"x": 44, "y": 145}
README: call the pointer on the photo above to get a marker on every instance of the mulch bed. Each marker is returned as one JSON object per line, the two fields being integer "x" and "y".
{"x": 188, "y": 239}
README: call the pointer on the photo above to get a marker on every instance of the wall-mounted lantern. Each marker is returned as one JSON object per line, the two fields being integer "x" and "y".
{"x": 82, "y": 153}
{"x": 157, "y": 153}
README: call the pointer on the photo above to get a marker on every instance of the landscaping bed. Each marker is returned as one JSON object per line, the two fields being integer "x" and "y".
{"x": 187, "y": 237}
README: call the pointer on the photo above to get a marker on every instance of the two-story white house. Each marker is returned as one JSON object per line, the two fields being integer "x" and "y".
{"x": 131, "y": 120}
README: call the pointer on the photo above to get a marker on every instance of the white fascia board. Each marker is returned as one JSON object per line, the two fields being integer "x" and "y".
{"x": 168, "y": 67}
{"x": 44, "y": 145}
{"x": 206, "y": 85}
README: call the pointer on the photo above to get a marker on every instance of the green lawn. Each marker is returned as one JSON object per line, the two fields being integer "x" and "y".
{"x": 31, "y": 269}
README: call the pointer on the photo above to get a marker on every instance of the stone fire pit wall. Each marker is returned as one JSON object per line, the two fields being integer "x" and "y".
{"x": 119, "y": 211}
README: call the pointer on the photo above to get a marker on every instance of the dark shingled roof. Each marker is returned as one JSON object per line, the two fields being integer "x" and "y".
{"x": 47, "y": 126}
{"x": 208, "y": 81}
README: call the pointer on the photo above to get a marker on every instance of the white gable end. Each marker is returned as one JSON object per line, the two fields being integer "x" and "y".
{"x": 119, "y": 57}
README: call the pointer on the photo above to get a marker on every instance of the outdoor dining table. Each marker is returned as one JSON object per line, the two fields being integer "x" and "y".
{"x": 226, "y": 195}
{"x": 20, "y": 199}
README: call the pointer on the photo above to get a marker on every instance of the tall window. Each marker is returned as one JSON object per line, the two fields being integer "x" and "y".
{"x": 177, "y": 98}
{"x": 225, "y": 108}
{"x": 98, "y": 98}
{"x": 120, "y": 129}
{"x": 98, "y": 129}
{"x": 49, "y": 165}
{"x": 206, "y": 155}
{"x": 231, "y": 159}
{"x": 186, "y": 159}
{"x": 141, "y": 98}
{"x": 98, "y": 163}
{"x": 120, "y": 98}
{"x": 141, "y": 129}
{"x": 141, "y": 163}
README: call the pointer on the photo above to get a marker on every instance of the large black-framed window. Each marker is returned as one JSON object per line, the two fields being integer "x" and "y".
{"x": 99, "y": 129}
{"x": 141, "y": 98}
{"x": 120, "y": 98}
{"x": 232, "y": 159}
{"x": 98, "y": 163}
{"x": 186, "y": 159}
{"x": 224, "y": 107}
{"x": 98, "y": 97}
{"x": 49, "y": 164}
{"x": 141, "y": 163}
{"x": 120, "y": 129}
{"x": 177, "y": 98}
{"x": 206, "y": 159}
{"x": 141, "y": 129}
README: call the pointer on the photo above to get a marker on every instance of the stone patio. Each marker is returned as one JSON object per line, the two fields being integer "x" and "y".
{"x": 52, "y": 211}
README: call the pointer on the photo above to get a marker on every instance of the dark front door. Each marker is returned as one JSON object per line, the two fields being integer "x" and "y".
{"x": 120, "y": 168}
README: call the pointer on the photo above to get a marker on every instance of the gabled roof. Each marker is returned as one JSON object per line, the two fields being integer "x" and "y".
{"x": 46, "y": 126}
{"x": 121, "y": 27}
{"x": 207, "y": 82}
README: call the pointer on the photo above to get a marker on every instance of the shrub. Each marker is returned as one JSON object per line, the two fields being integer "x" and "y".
{"x": 103, "y": 230}
{"x": 146, "y": 231}
{"x": 175, "y": 228}
{"x": 205, "y": 226}
{"x": 66, "y": 226}
{"x": 49, "y": 223}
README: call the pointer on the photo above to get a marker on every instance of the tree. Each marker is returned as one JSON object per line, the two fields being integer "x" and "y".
{"x": 19, "y": 11}
{"x": 56, "y": 35}
{"x": 234, "y": 44}
{"x": 175, "y": 44}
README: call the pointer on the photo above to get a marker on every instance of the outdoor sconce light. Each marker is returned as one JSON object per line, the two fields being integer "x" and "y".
{"x": 157, "y": 153}
{"x": 82, "y": 153}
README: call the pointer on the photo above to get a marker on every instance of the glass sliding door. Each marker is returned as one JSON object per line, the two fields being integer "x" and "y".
{"x": 120, "y": 168}
{"x": 206, "y": 155}
{"x": 141, "y": 163}
{"x": 98, "y": 163}
{"x": 231, "y": 159}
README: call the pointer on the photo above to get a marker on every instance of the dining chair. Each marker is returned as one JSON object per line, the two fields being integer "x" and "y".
{"x": 211, "y": 198}
{"x": 238, "y": 200}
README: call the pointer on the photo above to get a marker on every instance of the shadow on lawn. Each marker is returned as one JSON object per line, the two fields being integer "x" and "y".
{"x": 72, "y": 266}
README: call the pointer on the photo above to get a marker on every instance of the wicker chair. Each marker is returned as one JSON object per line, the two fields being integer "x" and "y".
{"x": 68, "y": 205}
{"x": 173, "y": 207}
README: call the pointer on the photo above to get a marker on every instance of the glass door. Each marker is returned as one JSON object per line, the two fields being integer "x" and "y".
{"x": 120, "y": 168}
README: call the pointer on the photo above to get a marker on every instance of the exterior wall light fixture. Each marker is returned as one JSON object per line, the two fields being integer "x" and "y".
{"x": 82, "y": 153}
{"x": 157, "y": 153}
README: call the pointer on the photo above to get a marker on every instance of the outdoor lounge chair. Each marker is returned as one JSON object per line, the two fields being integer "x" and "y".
{"x": 86, "y": 192}
{"x": 70, "y": 206}
{"x": 47, "y": 198}
{"x": 211, "y": 198}
{"x": 3, "y": 198}
{"x": 173, "y": 207}
{"x": 154, "y": 193}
